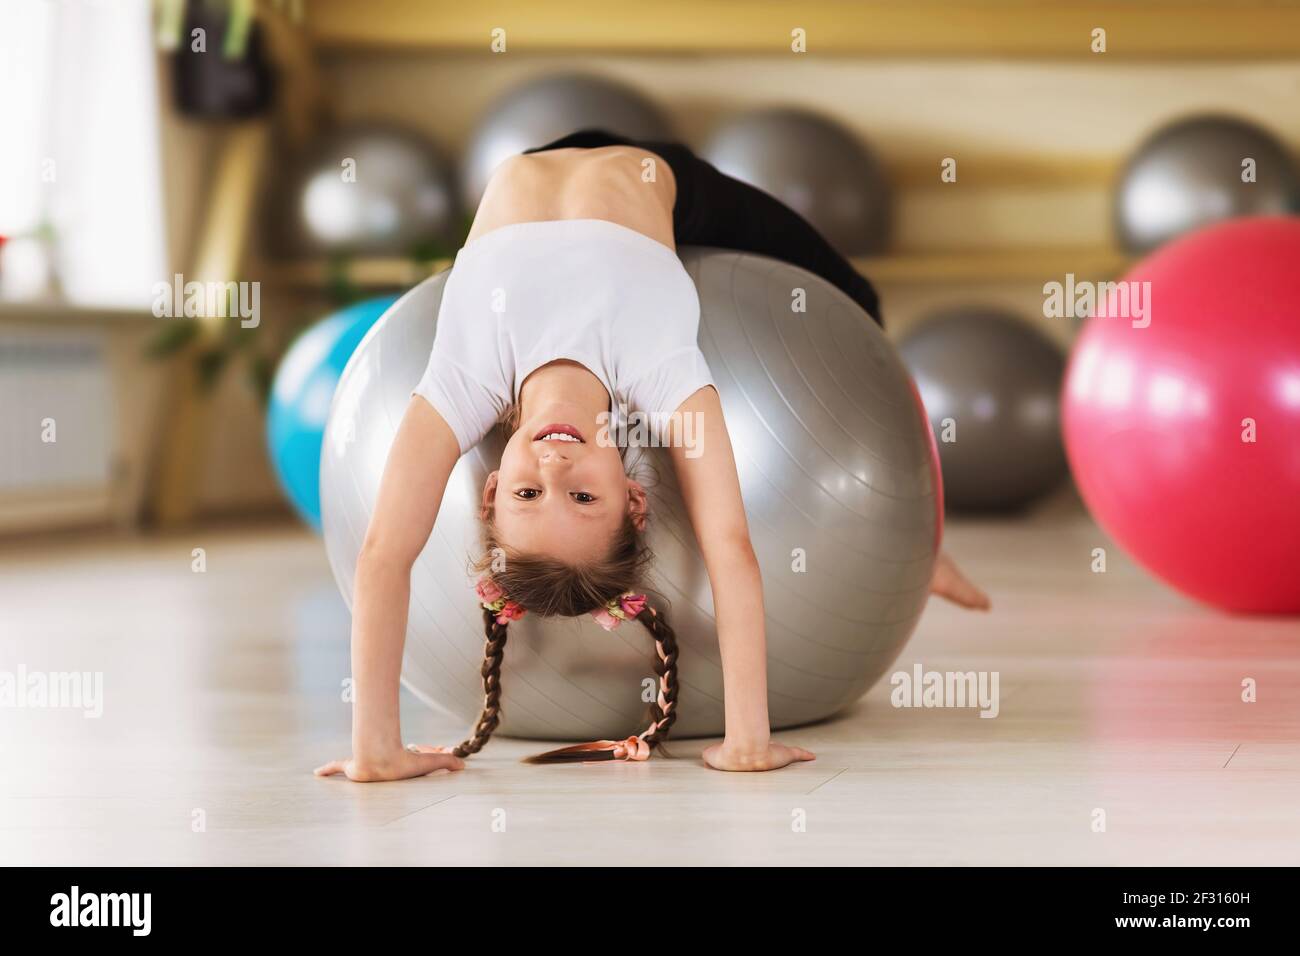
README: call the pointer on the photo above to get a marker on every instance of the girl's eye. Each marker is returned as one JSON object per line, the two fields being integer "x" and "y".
{"x": 583, "y": 498}
{"x": 527, "y": 494}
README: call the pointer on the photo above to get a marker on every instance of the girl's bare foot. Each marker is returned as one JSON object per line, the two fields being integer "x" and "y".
{"x": 950, "y": 584}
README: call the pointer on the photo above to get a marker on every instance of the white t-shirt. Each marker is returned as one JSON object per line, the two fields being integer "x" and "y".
{"x": 590, "y": 291}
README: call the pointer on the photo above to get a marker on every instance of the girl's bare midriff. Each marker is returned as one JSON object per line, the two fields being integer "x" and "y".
{"x": 620, "y": 184}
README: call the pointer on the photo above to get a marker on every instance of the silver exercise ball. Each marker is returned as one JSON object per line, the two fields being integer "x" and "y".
{"x": 1189, "y": 174}
{"x": 369, "y": 190}
{"x": 839, "y": 481}
{"x": 814, "y": 166}
{"x": 544, "y": 110}
{"x": 991, "y": 387}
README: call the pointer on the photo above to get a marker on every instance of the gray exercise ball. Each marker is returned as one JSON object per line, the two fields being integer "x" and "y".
{"x": 991, "y": 387}
{"x": 839, "y": 482}
{"x": 369, "y": 190}
{"x": 543, "y": 110}
{"x": 1189, "y": 174}
{"x": 813, "y": 165}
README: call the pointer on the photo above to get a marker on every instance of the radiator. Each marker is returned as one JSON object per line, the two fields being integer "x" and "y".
{"x": 57, "y": 418}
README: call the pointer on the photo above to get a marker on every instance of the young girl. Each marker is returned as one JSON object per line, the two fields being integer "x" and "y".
{"x": 567, "y": 305}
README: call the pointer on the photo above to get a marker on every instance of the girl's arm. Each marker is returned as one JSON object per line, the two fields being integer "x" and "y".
{"x": 410, "y": 493}
{"x": 711, "y": 491}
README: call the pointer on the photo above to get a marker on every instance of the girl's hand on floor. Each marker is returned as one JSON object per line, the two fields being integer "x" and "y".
{"x": 415, "y": 761}
{"x": 725, "y": 756}
{"x": 950, "y": 584}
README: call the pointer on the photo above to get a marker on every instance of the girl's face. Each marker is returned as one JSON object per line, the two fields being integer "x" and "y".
{"x": 561, "y": 491}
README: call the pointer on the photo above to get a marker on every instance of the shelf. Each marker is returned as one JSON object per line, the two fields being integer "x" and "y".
{"x": 365, "y": 273}
{"x": 51, "y": 312}
{"x": 1030, "y": 29}
{"x": 997, "y": 265}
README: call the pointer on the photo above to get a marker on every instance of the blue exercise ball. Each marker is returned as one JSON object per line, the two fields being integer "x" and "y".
{"x": 301, "y": 395}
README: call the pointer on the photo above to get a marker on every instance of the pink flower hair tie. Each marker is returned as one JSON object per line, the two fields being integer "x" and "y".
{"x": 494, "y": 599}
{"x": 625, "y": 607}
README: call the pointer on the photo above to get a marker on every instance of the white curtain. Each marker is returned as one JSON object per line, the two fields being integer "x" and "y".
{"x": 79, "y": 145}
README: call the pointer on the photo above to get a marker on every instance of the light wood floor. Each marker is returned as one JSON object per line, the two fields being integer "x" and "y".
{"x": 222, "y": 692}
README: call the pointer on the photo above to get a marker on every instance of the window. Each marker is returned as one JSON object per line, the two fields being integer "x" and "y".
{"x": 80, "y": 172}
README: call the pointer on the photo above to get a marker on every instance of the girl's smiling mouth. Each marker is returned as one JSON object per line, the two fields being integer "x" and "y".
{"x": 560, "y": 432}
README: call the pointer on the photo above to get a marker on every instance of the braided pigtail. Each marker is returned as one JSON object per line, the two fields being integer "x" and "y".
{"x": 494, "y": 652}
{"x": 504, "y": 598}
{"x": 665, "y": 705}
{"x": 665, "y": 708}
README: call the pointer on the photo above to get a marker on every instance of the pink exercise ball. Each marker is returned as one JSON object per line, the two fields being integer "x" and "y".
{"x": 1184, "y": 434}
